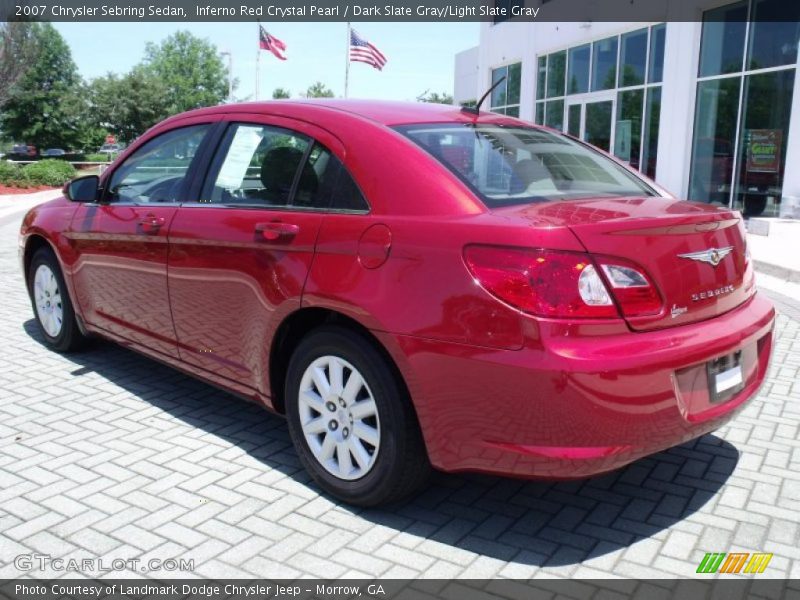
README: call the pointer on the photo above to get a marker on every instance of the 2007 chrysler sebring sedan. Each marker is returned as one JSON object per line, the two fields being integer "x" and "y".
{"x": 411, "y": 285}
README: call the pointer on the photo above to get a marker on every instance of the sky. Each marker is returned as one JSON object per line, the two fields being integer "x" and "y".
{"x": 421, "y": 55}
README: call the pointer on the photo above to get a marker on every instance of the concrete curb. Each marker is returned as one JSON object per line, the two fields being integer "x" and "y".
{"x": 784, "y": 273}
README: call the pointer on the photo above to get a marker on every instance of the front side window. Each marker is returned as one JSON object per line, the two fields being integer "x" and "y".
{"x": 521, "y": 165}
{"x": 155, "y": 172}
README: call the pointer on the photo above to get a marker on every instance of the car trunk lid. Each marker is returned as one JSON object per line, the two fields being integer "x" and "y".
{"x": 693, "y": 253}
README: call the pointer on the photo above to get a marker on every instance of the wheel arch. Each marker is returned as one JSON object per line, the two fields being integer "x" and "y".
{"x": 300, "y": 323}
{"x": 33, "y": 243}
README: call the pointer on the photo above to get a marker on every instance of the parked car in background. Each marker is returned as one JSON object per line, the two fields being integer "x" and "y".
{"x": 23, "y": 151}
{"x": 54, "y": 153}
{"x": 411, "y": 285}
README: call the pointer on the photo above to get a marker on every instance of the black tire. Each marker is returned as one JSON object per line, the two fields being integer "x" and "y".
{"x": 69, "y": 338}
{"x": 401, "y": 463}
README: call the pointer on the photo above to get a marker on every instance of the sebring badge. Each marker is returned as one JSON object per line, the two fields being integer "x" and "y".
{"x": 712, "y": 256}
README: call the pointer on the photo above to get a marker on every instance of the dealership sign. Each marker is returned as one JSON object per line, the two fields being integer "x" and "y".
{"x": 764, "y": 150}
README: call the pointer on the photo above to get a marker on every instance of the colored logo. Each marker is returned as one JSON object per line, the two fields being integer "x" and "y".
{"x": 734, "y": 562}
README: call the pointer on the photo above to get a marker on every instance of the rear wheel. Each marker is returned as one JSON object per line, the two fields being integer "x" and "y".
{"x": 351, "y": 420}
{"x": 51, "y": 303}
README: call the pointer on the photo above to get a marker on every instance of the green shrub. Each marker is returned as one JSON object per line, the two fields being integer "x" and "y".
{"x": 98, "y": 157}
{"x": 49, "y": 172}
{"x": 8, "y": 171}
{"x": 11, "y": 174}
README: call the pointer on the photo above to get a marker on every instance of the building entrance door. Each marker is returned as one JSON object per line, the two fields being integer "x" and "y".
{"x": 591, "y": 118}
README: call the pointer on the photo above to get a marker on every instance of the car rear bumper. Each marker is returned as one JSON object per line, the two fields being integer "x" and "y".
{"x": 573, "y": 403}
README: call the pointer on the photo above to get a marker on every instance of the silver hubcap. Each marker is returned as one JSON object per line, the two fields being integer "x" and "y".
{"x": 47, "y": 297}
{"x": 339, "y": 418}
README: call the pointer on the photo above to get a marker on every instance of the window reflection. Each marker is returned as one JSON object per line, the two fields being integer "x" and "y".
{"x": 633, "y": 56}
{"x": 715, "y": 130}
{"x": 604, "y": 64}
{"x": 762, "y": 142}
{"x": 722, "y": 41}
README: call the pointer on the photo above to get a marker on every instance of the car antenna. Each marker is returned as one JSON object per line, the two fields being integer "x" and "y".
{"x": 474, "y": 110}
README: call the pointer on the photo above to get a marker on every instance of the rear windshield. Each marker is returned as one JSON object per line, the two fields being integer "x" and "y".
{"x": 520, "y": 165}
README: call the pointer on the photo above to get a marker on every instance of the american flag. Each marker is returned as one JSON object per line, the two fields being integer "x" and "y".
{"x": 362, "y": 51}
{"x": 271, "y": 43}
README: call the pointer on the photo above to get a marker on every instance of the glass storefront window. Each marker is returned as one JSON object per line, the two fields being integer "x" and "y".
{"x": 574, "y": 120}
{"x": 499, "y": 93}
{"x": 774, "y": 34}
{"x": 632, "y": 58}
{"x": 762, "y": 142}
{"x": 714, "y": 133}
{"x": 513, "y": 83}
{"x": 632, "y": 61}
{"x": 722, "y": 40}
{"x": 628, "y": 132}
{"x": 541, "y": 76}
{"x": 554, "y": 114}
{"x": 652, "y": 118}
{"x": 598, "y": 124}
{"x": 556, "y": 71}
{"x": 658, "y": 35}
{"x": 578, "y": 72}
{"x": 604, "y": 64}
{"x": 505, "y": 97}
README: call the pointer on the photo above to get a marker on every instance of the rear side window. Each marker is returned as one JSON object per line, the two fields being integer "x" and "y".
{"x": 520, "y": 165}
{"x": 260, "y": 165}
{"x": 257, "y": 166}
{"x": 156, "y": 171}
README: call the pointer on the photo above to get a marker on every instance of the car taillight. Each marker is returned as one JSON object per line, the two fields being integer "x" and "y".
{"x": 633, "y": 290}
{"x": 749, "y": 276}
{"x": 554, "y": 283}
{"x": 546, "y": 283}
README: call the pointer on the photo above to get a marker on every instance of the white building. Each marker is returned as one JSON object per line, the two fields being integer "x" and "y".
{"x": 704, "y": 107}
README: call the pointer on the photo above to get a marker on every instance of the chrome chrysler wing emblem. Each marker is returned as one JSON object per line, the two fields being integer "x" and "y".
{"x": 712, "y": 256}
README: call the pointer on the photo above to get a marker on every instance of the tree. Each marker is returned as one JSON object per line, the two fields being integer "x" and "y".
{"x": 435, "y": 98}
{"x": 45, "y": 107}
{"x": 191, "y": 70}
{"x": 17, "y": 52}
{"x": 280, "y": 94}
{"x": 129, "y": 105}
{"x": 318, "y": 90}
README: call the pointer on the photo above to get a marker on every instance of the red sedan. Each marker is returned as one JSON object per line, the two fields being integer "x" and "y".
{"x": 411, "y": 285}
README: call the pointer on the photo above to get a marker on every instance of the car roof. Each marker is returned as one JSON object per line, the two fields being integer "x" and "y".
{"x": 384, "y": 112}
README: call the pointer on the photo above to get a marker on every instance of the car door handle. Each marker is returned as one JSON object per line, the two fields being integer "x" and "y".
{"x": 151, "y": 224}
{"x": 276, "y": 231}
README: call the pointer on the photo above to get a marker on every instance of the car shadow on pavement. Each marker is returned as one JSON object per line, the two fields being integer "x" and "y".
{"x": 529, "y": 522}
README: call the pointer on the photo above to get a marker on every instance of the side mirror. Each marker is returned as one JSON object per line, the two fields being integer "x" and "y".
{"x": 83, "y": 189}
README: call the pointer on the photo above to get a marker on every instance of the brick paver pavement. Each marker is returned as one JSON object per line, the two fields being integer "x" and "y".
{"x": 106, "y": 454}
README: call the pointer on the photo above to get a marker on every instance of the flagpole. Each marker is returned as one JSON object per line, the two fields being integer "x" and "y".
{"x": 347, "y": 61}
{"x": 258, "y": 60}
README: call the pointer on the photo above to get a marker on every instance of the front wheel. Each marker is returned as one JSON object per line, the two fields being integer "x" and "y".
{"x": 51, "y": 303}
{"x": 352, "y": 421}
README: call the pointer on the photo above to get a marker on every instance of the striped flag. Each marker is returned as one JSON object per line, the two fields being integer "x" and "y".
{"x": 271, "y": 43}
{"x": 362, "y": 51}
